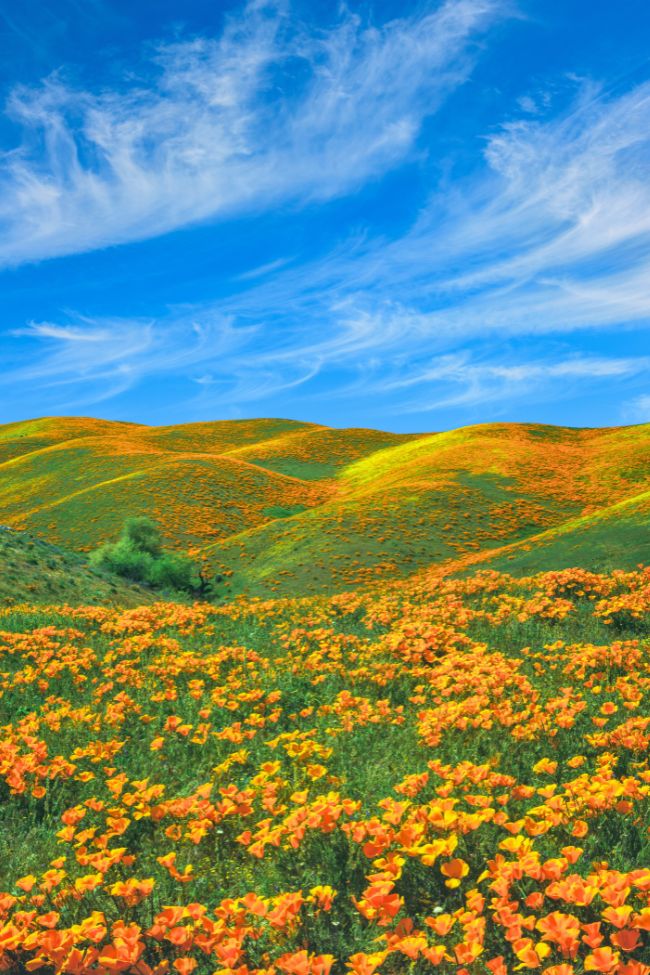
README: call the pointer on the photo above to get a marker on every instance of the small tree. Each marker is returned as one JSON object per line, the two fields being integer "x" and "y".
{"x": 138, "y": 555}
{"x": 173, "y": 571}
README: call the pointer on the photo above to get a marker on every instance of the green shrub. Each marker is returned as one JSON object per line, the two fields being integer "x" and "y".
{"x": 138, "y": 555}
{"x": 123, "y": 559}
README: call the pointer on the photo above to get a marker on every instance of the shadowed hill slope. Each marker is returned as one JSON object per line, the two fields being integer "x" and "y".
{"x": 35, "y": 572}
{"x": 290, "y": 507}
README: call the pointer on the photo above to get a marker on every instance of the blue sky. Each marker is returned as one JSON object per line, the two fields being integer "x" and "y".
{"x": 406, "y": 215}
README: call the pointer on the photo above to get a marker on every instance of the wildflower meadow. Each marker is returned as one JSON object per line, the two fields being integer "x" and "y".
{"x": 442, "y": 775}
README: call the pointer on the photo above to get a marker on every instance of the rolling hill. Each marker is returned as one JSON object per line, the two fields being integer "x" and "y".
{"x": 290, "y": 507}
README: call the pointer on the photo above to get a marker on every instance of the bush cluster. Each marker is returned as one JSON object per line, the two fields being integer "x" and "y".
{"x": 138, "y": 555}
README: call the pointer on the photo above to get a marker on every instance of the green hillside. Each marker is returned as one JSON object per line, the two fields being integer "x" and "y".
{"x": 618, "y": 537}
{"x": 456, "y": 498}
{"x": 32, "y": 571}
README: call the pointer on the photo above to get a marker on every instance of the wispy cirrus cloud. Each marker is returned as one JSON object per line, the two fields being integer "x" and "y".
{"x": 235, "y": 366}
{"x": 552, "y": 234}
{"x": 466, "y": 380}
{"x": 212, "y": 127}
{"x": 91, "y": 360}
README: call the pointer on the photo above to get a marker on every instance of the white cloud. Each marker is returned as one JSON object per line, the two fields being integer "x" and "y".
{"x": 528, "y": 105}
{"x": 86, "y": 349}
{"x": 266, "y": 112}
{"x": 263, "y": 269}
{"x": 551, "y": 236}
{"x": 95, "y": 359}
{"x": 472, "y": 377}
{"x": 557, "y": 235}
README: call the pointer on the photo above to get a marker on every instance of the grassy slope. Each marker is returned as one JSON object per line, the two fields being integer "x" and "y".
{"x": 34, "y": 571}
{"x": 31, "y": 435}
{"x": 293, "y": 507}
{"x": 77, "y": 492}
{"x": 442, "y": 498}
{"x": 71, "y": 481}
{"x": 319, "y": 452}
{"x": 617, "y": 537}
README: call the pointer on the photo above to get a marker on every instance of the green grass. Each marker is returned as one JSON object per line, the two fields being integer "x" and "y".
{"x": 35, "y": 572}
{"x": 616, "y": 538}
{"x": 306, "y": 470}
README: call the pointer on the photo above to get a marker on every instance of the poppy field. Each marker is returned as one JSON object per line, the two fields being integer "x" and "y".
{"x": 444, "y": 774}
